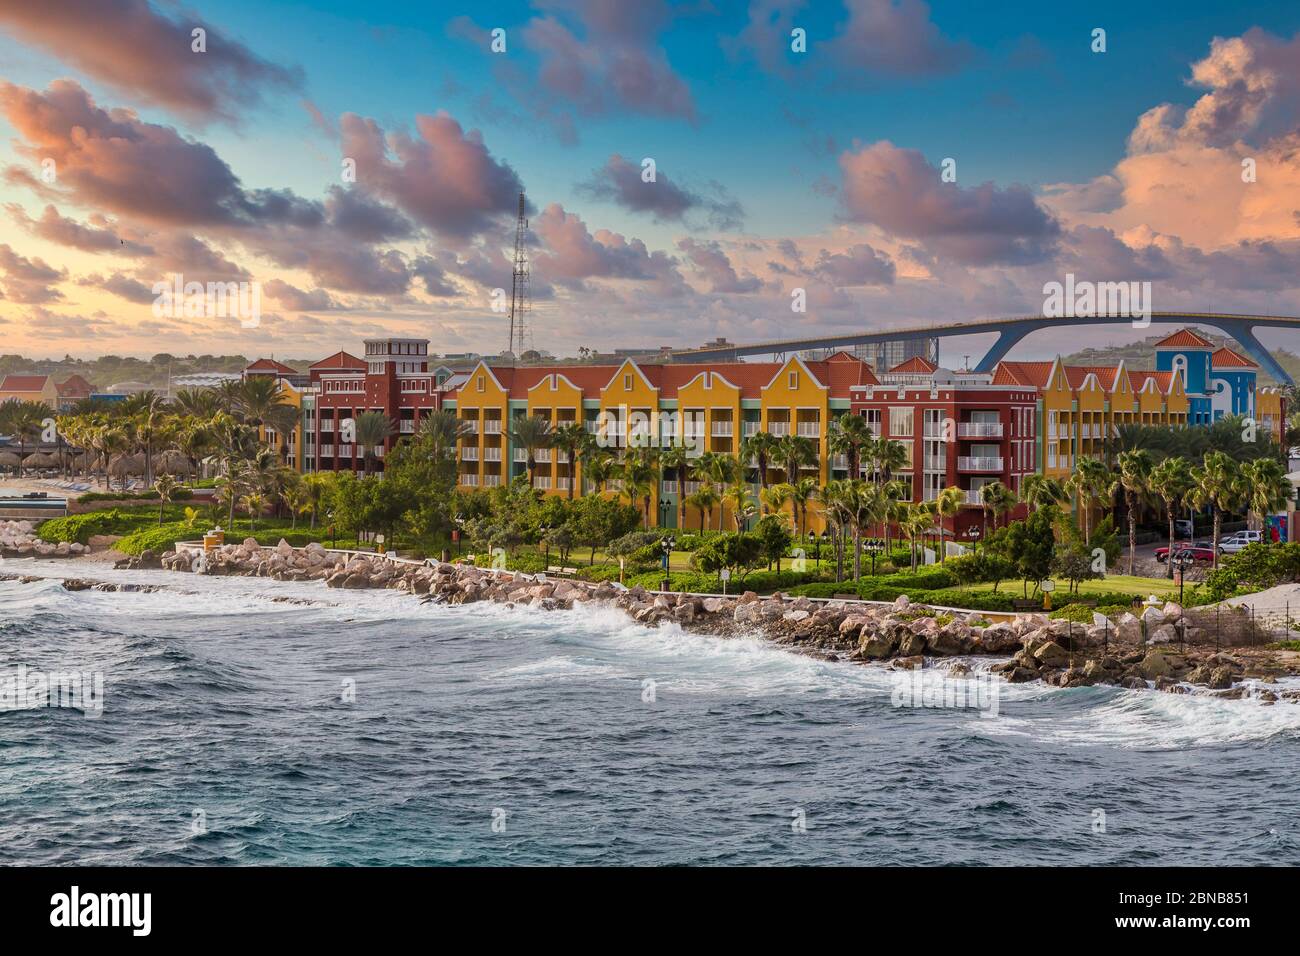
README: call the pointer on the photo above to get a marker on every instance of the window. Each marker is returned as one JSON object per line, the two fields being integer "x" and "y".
{"x": 479, "y": 383}
{"x": 900, "y": 422}
{"x": 794, "y": 380}
{"x": 627, "y": 383}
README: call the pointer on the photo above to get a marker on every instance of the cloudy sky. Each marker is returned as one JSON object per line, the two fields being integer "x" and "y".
{"x": 127, "y": 156}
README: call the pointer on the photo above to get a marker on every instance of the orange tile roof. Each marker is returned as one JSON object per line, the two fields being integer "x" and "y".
{"x": 1024, "y": 374}
{"x": 1184, "y": 339}
{"x": 916, "y": 365}
{"x": 340, "y": 360}
{"x": 75, "y": 385}
{"x": 1106, "y": 374}
{"x": 24, "y": 383}
{"x": 1164, "y": 380}
{"x": 271, "y": 365}
{"x": 1227, "y": 358}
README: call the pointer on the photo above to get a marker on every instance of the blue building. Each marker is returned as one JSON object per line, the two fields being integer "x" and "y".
{"x": 1218, "y": 382}
{"x": 1191, "y": 356}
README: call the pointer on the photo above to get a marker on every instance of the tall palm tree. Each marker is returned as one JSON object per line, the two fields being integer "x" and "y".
{"x": 255, "y": 398}
{"x": 1218, "y": 486}
{"x": 639, "y": 472}
{"x": 1041, "y": 491}
{"x": 802, "y": 492}
{"x": 1267, "y": 488}
{"x": 774, "y": 498}
{"x": 990, "y": 495}
{"x": 887, "y": 457}
{"x": 1133, "y": 480}
{"x": 441, "y": 430}
{"x": 22, "y": 420}
{"x": 719, "y": 470}
{"x": 312, "y": 494}
{"x": 704, "y": 501}
{"x": 794, "y": 452}
{"x": 742, "y": 508}
{"x": 166, "y": 487}
{"x": 599, "y": 467}
{"x": 849, "y": 435}
{"x": 948, "y": 505}
{"x": 760, "y": 447}
{"x": 1172, "y": 481}
{"x": 372, "y": 430}
{"x": 1091, "y": 482}
{"x": 833, "y": 497}
{"x": 677, "y": 458}
{"x": 196, "y": 402}
{"x": 530, "y": 434}
{"x": 573, "y": 440}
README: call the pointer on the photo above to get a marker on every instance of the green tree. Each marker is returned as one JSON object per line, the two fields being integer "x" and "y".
{"x": 1217, "y": 485}
{"x": 530, "y": 434}
{"x": 1134, "y": 481}
{"x": 774, "y": 538}
{"x": 1172, "y": 481}
{"x": 372, "y": 430}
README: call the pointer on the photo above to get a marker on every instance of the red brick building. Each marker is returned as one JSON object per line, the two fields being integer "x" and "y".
{"x": 393, "y": 378}
{"x": 959, "y": 430}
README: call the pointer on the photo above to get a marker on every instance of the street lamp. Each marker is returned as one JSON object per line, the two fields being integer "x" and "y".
{"x": 457, "y": 533}
{"x": 329, "y": 515}
{"x": 973, "y": 532}
{"x": 1182, "y": 561}
{"x": 666, "y": 545}
{"x": 817, "y": 546}
{"x": 663, "y": 513}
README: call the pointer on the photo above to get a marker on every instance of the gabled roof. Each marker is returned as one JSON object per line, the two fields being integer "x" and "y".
{"x": 1185, "y": 339}
{"x": 271, "y": 365}
{"x": 75, "y": 385}
{"x": 1107, "y": 375}
{"x": 916, "y": 365}
{"x": 340, "y": 360}
{"x": 1024, "y": 374}
{"x": 1227, "y": 358}
{"x": 24, "y": 383}
{"x": 1164, "y": 381}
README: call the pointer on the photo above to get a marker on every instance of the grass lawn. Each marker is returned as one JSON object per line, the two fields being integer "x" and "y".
{"x": 1137, "y": 586}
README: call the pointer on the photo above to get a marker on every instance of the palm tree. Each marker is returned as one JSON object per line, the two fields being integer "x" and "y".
{"x": 775, "y": 497}
{"x": 990, "y": 494}
{"x": 719, "y": 470}
{"x": 195, "y": 442}
{"x": 1267, "y": 487}
{"x": 760, "y": 447}
{"x": 1041, "y": 491}
{"x": 372, "y": 430}
{"x": 312, "y": 493}
{"x": 833, "y": 496}
{"x": 1172, "y": 481}
{"x": 919, "y": 520}
{"x": 196, "y": 403}
{"x": 441, "y": 430}
{"x": 676, "y": 458}
{"x": 147, "y": 410}
{"x": 948, "y": 505}
{"x": 530, "y": 434}
{"x": 704, "y": 500}
{"x": 573, "y": 440}
{"x": 887, "y": 457}
{"x": 1091, "y": 482}
{"x": 283, "y": 420}
{"x": 1218, "y": 486}
{"x": 793, "y": 452}
{"x": 1134, "y": 481}
{"x": 256, "y": 397}
{"x": 1004, "y": 504}
{"x": 802, "y": 492}
{"x": 742, "y": 508}
{"x": 639, "y": 472}
{"x": 598, "y": 468}
{"x": 166, "y": 486}
{"x": 849, "y": 435}
{"x": 22, "y": 420}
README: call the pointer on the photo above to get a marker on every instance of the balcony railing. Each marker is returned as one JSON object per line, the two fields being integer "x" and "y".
{"x": 345, "y": 451}
{"x": 936, "y": 463}
{"x": 934, "y": 432}
{"x": 469, "y": 480}
{"x": 542, "y": 456}
{"x": 979, "y": 429}
{"x": 469, "y": 454}
{"x": 722, "y": 429}
{"x": 521, "y": 454}
{"x": 491, "y": 481}
{"x": 751, "y": 428}
{"x": 327, "y": 425}
{"x": 471, "y": 425}
{"x": 327, "y": 451}
{"x": 840, "y": 461}
{"x": 492, "y": 426}
{"x": 543, "y": 482}
{"x": 810, "y": 429}
{"x": 407, "y": 426}
{"x": 979, "y": 464}
{"x": 562, "y": 457}
{"x": 972, "y": 497}
{"x": 690, "y": 487}
{"x": 491, "y": 454}
{"x": 562, "y": 484}
{"x": 779, "y": 429}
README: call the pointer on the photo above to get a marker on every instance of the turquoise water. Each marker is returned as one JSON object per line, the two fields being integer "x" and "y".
{"x": 485, "y": 735}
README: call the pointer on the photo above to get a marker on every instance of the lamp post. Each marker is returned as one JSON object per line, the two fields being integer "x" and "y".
{"x": 663, "y": 513}
{"x": 667, "y": 545}
{"x": 973, "y": 532}
{"x": 329, "y": 515}
{"x": 817, "y": 546}
{"x": 1182, "y": 562}
{"x": 457, "y": 533}
{"x": 379, "y": 543}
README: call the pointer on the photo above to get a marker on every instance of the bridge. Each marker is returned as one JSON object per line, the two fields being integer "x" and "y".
{"x": 1240, "y": 328}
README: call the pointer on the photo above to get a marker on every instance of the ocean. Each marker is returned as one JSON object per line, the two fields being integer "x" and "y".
{"x": 251, "y": 722}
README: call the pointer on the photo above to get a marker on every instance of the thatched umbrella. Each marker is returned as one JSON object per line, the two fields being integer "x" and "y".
{"x": 9, "y": 459}
{"x": 40, "y": 459}
{"x": 121, "y": 465}
{"x": 171, "y": 462}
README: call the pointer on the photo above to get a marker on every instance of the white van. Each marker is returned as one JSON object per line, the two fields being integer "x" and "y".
{"x": 1240, "y": 539}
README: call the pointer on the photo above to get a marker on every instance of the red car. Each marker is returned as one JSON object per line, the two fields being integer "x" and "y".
{"x": 1198, "y": 555}
{"x": 1162, "y": 554}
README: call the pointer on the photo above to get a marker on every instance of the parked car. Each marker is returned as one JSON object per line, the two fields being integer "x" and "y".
{"x": 1240, "y": 539}
{"x": 1198, "y": 555}
{"x": 1162, "y": 554}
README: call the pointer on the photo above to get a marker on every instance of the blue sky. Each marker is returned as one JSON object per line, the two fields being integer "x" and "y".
{"x": 1014, "y": 93}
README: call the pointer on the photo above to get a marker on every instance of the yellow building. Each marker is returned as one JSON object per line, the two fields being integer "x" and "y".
{"x": 29, "y": 388}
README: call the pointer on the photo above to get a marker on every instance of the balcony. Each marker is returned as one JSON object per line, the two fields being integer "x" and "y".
{"x": 934, "y": 432}
{"x": 542, "y": 456}
{"x": 979, "y": 464}
{"x": 327, "y": 425}
{"x": 690, "y": 487}
{"x": 778, "y": 429}
{"x": 972, "y": 497}
{"x": 562, "y": 484}
{"x": 936, "y": 463}
{"x": 407, "y": 426}
{"x": 979, "y": 429}
{"x": 469, "y": 454}
{"x": 721, "y": 430}
{"x": 345, "y": 451}
{"x": 521, "y": 455}
{"x": 469, "y": 480}
{"x": 840, "y": 461}
{"x": 542, "y": 482}
{"x": 751, "y": 428}
{"x": 810, "y": 430}
{"x": 492, "y": 426}
{"x": 327, "y": 451}
{"x": 490, "y": 481}
{"x": 471, "y": 426}
{"x": 562, "y": 457}
{"x": 491, "y": 454}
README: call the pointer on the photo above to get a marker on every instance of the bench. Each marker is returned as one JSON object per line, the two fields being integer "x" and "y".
{"x": 1027, "y": 605}
{"x": 844, "y": 597}
{"x": 560, "y": 572}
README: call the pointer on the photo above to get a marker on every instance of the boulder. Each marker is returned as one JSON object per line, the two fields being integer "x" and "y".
{"x": 877, "y": 646}
{"x": 1051, "y": 654}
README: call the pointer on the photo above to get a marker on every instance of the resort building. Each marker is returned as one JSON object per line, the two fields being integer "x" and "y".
{"x": 75, "y": 389}
{"x": 1080, "y": 407}
{"x": 29, "y": 388}
{"x": 711, "y": 407}
{"x": 959, "y": 428}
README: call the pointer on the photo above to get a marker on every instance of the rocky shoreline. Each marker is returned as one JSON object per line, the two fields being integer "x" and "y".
{"x": 902, "y": 634}
{"x": 18, "y": 540}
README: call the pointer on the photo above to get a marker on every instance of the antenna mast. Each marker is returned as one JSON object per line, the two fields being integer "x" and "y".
{"x": 519, "y": 297}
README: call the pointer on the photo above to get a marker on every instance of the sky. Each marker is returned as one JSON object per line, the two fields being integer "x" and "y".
{"x": 361, "y": 165}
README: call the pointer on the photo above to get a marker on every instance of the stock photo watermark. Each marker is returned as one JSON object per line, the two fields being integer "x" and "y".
{"x": 25, "y": 688}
